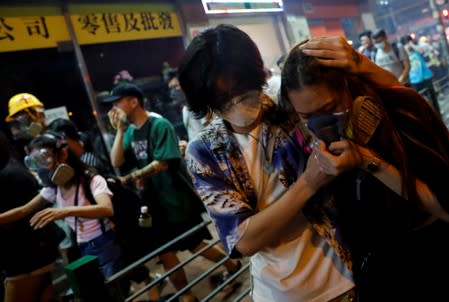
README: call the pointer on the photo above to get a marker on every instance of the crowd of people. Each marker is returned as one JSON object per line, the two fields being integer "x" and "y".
{"x": 415, "y": 62}
{"x": 298, "y": 178}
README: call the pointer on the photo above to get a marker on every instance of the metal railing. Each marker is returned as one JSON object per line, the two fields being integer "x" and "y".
{"x": 114, "y": 281}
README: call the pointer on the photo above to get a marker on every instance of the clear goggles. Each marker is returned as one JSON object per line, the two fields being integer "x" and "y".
{"x": 41, "y": 158}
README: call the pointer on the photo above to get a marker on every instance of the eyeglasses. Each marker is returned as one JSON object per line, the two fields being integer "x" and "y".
{"x": 41, "y": 158}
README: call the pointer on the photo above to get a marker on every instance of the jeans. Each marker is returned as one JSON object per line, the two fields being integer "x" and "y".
{"x": 107, "y": 250}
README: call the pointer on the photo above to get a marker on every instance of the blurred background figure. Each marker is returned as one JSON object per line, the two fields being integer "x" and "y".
{"x": 432, "y": 57}
{"x": 191, "y": 123}
{"x": 366, "y": 44}
{"x": 390, "y": 56}
{"x": 81, "y": 145}
{"x": 420, "y": 75}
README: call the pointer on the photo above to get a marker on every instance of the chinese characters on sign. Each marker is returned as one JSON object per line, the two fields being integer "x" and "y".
{"x": 19, "y": 33}
{"x": 33, "y": 26}
{"x": 5, "y": 30}
{"x": 106, "y": 27}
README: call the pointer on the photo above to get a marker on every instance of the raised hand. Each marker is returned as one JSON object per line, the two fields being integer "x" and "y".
{"x": 117, "y": 118}
{"x": 334, "y": 52}
{"x": 315, "y": 175}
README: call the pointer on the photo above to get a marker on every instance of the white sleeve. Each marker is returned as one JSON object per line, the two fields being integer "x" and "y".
{"x": 49, "y": 194}
{"x": 98, "y": 185}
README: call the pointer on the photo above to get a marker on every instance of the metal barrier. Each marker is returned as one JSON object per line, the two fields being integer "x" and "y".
{"x": 440, "y": 88}
{"x": 114, "y": 281}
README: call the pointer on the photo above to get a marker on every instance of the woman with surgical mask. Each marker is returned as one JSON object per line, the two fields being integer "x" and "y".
{"x": 65, "y": 180}
{"x": 251, "y": 168}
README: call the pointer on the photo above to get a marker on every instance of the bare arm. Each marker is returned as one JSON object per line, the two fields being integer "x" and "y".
{"x": 21, "y": 212}
{"x": 336, "y": 52}
{"x": 403, "y": 78}
{"x": 117, "y": 151}
{"x": 273, "y": 220}
{"x": 103, "y": 208}
{"x": 149, "y": 170}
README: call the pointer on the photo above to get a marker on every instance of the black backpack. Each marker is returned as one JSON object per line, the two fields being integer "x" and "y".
{"x": 126, "y": 203}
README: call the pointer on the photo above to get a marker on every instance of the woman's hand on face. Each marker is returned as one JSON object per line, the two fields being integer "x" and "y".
{"x": 314, "y": 174}
{"x": 333, "y": 52}
{"x": 44, "y": 217}
{"x": 340, "y": 156}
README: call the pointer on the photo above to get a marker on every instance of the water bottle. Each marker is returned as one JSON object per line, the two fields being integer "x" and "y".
{"x": 145, "y": 219}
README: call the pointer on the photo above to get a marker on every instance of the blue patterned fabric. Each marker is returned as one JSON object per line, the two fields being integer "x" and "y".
{"x": 222, "y": 180}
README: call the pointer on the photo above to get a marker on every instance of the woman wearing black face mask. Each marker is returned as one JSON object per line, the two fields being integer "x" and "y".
{"x": 63, "y": 177}
{"x": 391, "y": 167}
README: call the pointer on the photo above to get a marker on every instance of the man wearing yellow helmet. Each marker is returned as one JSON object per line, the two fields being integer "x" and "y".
{"x": 26, "y": 116}
{"x": 26, "y": 119}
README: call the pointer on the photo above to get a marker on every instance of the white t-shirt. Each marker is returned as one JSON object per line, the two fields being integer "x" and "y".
{"x": 389, "y": 61}
{"x": 193, "y": 125}
{"x": 302, "y": 266}
{"x": 88, "y": 228}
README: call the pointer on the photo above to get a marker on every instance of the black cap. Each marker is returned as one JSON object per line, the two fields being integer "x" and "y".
{"x": 379, "y": 33}
{"x": 124, "y": 90}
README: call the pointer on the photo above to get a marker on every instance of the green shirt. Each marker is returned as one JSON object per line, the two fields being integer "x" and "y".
{"x": 170, "y": 192}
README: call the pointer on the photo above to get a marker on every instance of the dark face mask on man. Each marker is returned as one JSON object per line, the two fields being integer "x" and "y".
{"x": 24, "y": 128}
{"x": 177, "y": 95}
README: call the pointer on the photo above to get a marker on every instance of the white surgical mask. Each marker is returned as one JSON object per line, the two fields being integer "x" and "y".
{"x": 245, "y": 109}
{"x": 380, "y": 45}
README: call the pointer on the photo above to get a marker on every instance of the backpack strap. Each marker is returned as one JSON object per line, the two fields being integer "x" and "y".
{"x": 85, "y": 181}
{"x": 373, "y": 55}
{"x": 396, "y": 50}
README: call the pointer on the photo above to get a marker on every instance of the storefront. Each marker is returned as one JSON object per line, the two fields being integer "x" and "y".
{"x": 67, "y": 55}
{"x": 261, "y": 20}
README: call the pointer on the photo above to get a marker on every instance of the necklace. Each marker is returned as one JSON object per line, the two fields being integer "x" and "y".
{"x": 267, "y": 165}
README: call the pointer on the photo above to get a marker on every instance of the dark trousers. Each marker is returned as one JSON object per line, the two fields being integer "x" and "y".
{"x": 428, "y": 90}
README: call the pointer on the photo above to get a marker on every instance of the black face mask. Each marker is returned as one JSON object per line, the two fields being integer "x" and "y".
{"x": 27, "y": 129}
{"x": 177, "y": 95}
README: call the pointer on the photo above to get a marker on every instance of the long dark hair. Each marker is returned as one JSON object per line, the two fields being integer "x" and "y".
{"x": 397, "y": 105}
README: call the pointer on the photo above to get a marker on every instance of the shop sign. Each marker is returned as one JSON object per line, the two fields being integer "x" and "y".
{"x": 31, "y": 32}
{"x": 238, "y": 6}
{"x": 109, "y": 27}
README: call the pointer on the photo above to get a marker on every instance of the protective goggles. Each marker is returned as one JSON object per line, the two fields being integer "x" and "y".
{"x": 42, "y": 158}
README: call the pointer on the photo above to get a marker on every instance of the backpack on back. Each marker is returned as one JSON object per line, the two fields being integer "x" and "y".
{"x": 126, "y": 203}
{"x": 395, "y": 47}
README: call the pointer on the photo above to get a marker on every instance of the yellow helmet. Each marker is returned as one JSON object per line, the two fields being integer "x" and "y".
{"x": 20, "y": 102}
